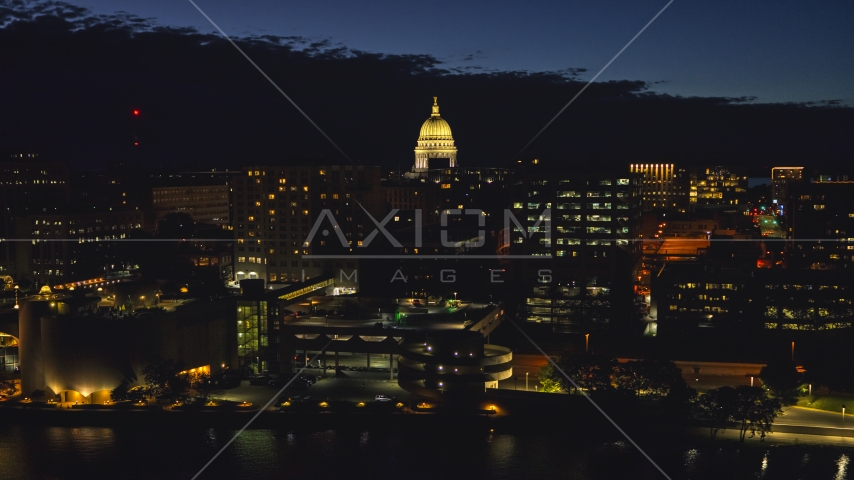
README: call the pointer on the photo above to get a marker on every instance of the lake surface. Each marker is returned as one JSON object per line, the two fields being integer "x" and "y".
{"x": 175, "y": 452}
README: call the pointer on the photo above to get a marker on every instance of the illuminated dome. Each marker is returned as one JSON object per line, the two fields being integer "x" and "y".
{"x": 435, "y": 127}
{"x": 434, "y": 141}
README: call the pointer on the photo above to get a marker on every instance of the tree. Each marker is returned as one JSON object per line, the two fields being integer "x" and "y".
{"x": 589, "y": 372}
{"x": 136, "y": 394}
{"x": 37, "y": 394}
{"x": 550, "y": 379}
{"x": 203, "y": 387}
{"x": 647, "y": 377}
{"x": 120, "y": 393}
{"x": 679, "y": 400}
{"x": 7, "y": 385}
{"x": 755, "y": 411}
{"x": 748, "y": 408}
{"x": 782, "y": 378}
{"x": 716, "y": 407}
{"x": 162, "y": 379}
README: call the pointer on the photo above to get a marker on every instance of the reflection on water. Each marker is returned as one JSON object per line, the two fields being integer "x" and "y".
{"x": 842, "y": 465}
{"x": 94, "y": 453}
{"x": 764, "y": 467}
{"x": 691, "y": 460}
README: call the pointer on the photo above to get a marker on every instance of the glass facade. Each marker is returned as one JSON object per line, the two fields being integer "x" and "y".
{"x": 251, "y": 333}
{"x": 8, "y": 352}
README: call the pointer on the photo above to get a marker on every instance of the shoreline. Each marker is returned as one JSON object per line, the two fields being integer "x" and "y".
{"x": 584, "y": 427}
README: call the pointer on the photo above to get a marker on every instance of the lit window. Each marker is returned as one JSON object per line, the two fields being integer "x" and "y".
{"x": 271, "y": 196}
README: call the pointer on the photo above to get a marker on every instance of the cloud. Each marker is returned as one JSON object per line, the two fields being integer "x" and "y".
{"x": 76, "y": 76}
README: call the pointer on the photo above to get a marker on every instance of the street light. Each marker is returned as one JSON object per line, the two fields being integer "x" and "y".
{"x": 16, "y": 296}
{"x": 843, "y": 415}
{"x": 526, "y": 381}
{"x": 586, "y": 343}
{"x": 810, "y": 397}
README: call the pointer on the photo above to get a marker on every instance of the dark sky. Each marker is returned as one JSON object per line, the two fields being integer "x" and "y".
{"x": 695, "y": 87}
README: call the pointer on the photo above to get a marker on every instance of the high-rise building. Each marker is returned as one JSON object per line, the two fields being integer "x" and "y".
{"x": 206, "y": 204}
{"x": 714, "y": 187}
{"x": 781, "y": 179}
{"x": 580, "y": 233}
{"x": 820, "y": 217}
{"x": 659, "y": 187}
{"x": 71, "y": 245}
{"x": 276, "y": 209}
{"x": 28, "y": 184}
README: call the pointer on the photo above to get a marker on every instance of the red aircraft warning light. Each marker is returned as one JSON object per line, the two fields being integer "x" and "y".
{"x": 136, "y": 113}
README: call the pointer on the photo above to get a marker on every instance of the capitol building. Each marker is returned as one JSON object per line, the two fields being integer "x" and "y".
{"x": 434, "y": 142}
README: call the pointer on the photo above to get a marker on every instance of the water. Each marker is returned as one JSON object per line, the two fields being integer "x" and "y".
{"x": 47, "y": 452}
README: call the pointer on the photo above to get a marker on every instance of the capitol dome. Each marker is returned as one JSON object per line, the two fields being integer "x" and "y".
{"x": 435, "y": 141}
{"x": 435, "y": 127}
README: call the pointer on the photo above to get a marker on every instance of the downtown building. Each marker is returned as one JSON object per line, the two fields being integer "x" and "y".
{"x": 782, "y": 178}
{"x": 661, "y": 186}
{"x": 28, "y": 184}
{"x": 276, "y": 209}
{"x": 706, "y": 294}
{"x": 716, "y": 187}
{"x": 574, "y": 254}
{"x": 70, "y": 244}
{"x": 205, "y": 203}
{"x": 820, "y": 219}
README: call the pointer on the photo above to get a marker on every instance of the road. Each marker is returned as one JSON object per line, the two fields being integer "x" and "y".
{"x": 816, "y": 418}
{"x": 770, "y": 226}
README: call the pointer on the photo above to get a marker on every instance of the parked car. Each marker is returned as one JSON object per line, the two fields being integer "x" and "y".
{"x": 416, "y": 303}
{"x": 382, "y": 398}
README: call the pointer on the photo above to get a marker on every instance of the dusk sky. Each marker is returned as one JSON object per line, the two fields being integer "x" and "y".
{"x": 776, "y": 51}
{"x": 758, "y": 83}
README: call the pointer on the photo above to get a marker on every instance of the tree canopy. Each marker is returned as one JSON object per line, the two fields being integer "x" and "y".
{"x": 749, "y": 409}
{"x": 782, "y": 378}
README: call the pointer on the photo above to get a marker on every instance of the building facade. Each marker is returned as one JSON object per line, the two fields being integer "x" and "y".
{"x": 206, "y": 204}
{"x": 580, "y": 231}
{"x": 660, "y": 189}
{"x": 72, "y": 246}
{"x": 781, "y": 179}
{"x": 713, "y": 187}
{"x": 276, "y": 209}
